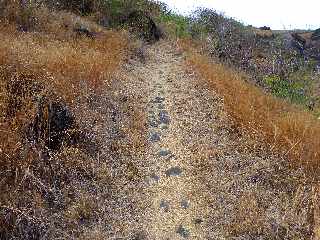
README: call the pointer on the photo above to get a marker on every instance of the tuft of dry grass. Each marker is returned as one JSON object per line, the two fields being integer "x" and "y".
{"x": 287, "y": 128}
{"x": 249, "y": 217}
{"x": 84, "y": 209}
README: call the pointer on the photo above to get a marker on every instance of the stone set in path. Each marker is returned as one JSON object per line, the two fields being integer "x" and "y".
{"x": 159, "y": 122}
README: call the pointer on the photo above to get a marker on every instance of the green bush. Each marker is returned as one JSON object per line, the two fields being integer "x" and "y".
{"x": 178, "y": 24}
{"x": 117, "y": 10}
{"x": 294, "y": 91}
{"x": 81, "y": 7}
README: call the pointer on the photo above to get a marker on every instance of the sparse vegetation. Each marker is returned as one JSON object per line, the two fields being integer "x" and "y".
{"x": 70, "y": 134}
{"x": 175, "y": 25}
{"x": 285, "y": 127}
{"x": 56, "y": 70}
{"x": 261, "y": 53}
{"x": 294, "y": 91}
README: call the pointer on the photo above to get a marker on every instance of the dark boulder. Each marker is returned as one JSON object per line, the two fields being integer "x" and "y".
{"x": 142, "y": 23}
{"x": 265, "y": 28}
{"x": 53, "y": 125}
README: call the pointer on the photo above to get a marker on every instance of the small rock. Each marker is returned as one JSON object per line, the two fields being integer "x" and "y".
{"x": 164, "y": 205}
{"x": 184, "y": 204}
{"x": 183, "y": 232}
{"x": 155, "y": 137}
{"x": 164, "y": 117}
{"x": 164, "y": 153}
{"x": 198, "y": 221}
{"x": 174, "y": 171}
{"x": 159, "y": 99}
{"x": 140, "y": 236}
{"x": 155, "y": 177}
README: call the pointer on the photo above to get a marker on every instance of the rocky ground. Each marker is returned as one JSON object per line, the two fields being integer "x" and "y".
{"x": 198, "y": 177}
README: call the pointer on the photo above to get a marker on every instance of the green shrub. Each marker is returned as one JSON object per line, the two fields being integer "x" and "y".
{"x": 117, "y": 10}
{"x": 81, "y": 7}
{"x": 178, "y": 25}
{"x": 294, "y": 91}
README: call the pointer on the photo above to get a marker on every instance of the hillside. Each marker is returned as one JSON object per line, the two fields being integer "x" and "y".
{"x": 123, "y": 120}
{"x": 284, "y": 63}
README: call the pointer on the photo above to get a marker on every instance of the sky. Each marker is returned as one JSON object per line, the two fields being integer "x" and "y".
{"x": 277, "y": 14}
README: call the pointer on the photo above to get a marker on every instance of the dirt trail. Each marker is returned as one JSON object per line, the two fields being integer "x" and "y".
{"x": 174, "y": 204}
{"x": 177, "y": 209}
{"x": 200, "y": 180}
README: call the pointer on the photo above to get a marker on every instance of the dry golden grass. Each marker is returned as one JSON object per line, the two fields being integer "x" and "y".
{"x": 84, "y": 209}
{"x": 53, "y": 63}
{"x": 70, "y": 68}
{"x": 249, "y": 217}
{"x": 34, "y": 65}
{"x": 287, "y": 128}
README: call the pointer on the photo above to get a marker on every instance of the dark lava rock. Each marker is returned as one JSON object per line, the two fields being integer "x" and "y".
{"x": 83, "y": 31}
{"x": 174, "y": 171}
{"x": 155, "y": 137}
{"x": 183, "y": 232}
{"x": 159, "y": 99}
{"x": 198, "y": 221}
{"x": 265, "y": 28}
{"x": 164, "y": 153}
{"x": 164, "y": 117}
{"x": 164, "y": 205}
{"x": 60, "y": 119}
{"x": 184, "y": 204}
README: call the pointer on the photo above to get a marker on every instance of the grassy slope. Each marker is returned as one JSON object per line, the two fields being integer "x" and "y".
{"x": 269, "y": 57}
{"x": 53, "y": 62}
{"x": 278, "y": 116}
{"x": 288, "y": 128}
{"x": 45, "y": 191}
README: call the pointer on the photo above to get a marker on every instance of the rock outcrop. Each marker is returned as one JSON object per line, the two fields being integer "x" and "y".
{"x": 308, "y": 43}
